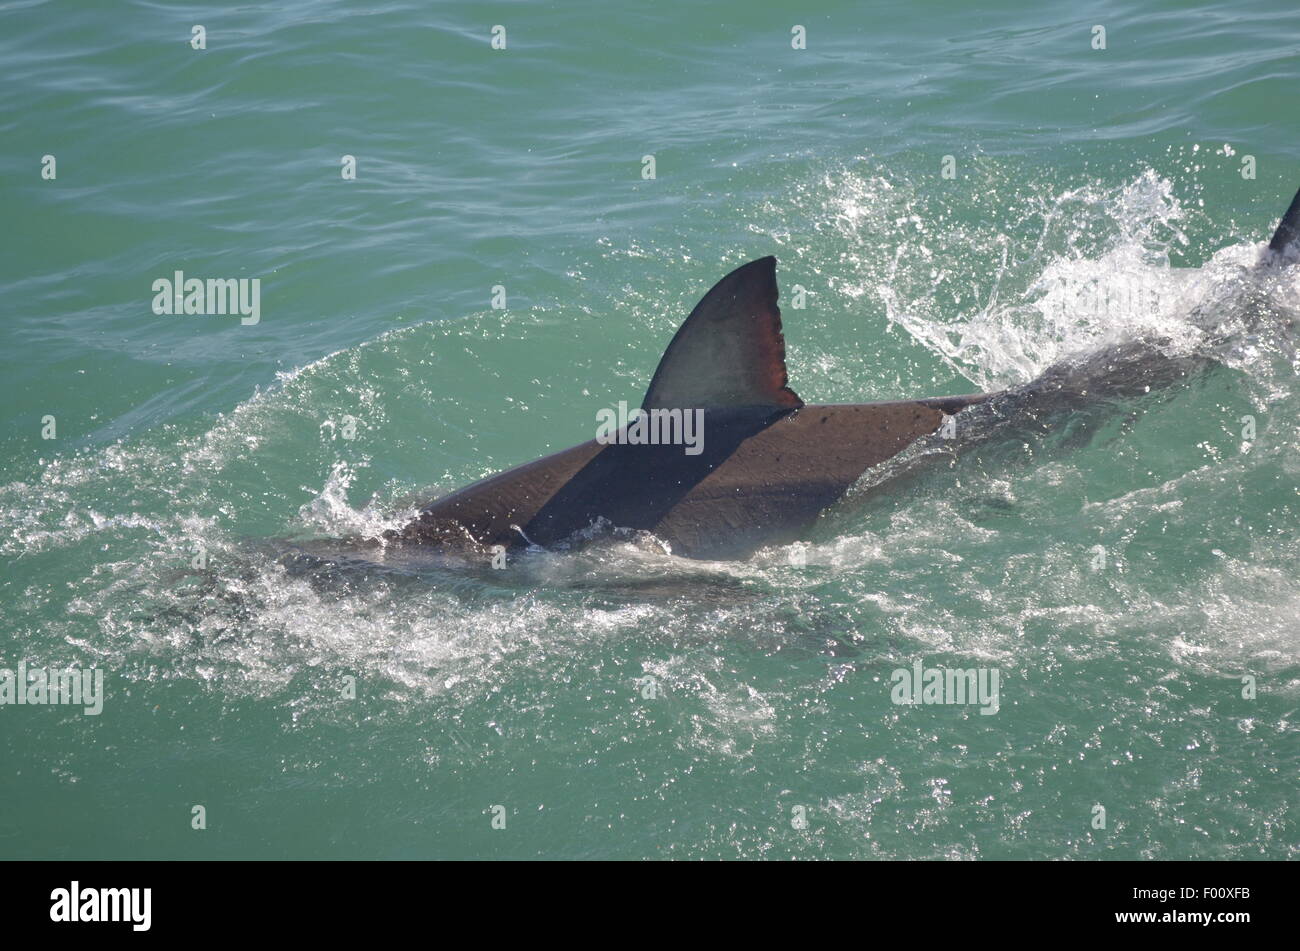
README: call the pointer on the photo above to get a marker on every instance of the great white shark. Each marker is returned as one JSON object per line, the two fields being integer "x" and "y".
{"x": 768, "y": 463}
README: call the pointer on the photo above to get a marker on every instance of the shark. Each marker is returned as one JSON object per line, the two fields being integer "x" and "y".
{"x": 724, "y": 458}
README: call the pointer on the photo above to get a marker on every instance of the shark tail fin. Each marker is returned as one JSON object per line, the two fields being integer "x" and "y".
{"x": 730, "y": 352}
{"x": 1286, "y": 239}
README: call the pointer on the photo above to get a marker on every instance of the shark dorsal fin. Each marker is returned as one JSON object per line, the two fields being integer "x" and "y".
{"x": 1288, "y": 230}
{"x": 730, "y": 351}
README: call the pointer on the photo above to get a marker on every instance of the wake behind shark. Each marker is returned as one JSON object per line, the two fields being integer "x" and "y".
{"x": 767, "y": 463}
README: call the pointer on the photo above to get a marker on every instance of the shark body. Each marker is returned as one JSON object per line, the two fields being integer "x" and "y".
{"x": 769, "y": 463}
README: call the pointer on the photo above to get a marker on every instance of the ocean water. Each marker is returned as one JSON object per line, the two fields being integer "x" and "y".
{"x": 1121, "y": 568}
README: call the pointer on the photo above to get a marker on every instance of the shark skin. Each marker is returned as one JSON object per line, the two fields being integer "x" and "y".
{"x": 769, "y": 463}
{"x": 765, "y": 483}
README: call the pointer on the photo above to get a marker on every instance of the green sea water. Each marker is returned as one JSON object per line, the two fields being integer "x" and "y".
{"x": 1122, "y": 569}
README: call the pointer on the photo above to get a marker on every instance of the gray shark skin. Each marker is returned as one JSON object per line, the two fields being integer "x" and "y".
{"x": 770, "y": 464}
